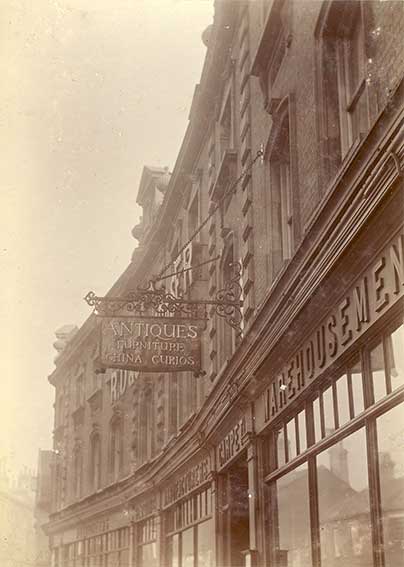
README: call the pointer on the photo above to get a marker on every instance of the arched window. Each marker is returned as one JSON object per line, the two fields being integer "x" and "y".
{"x": 95, "y": 461}
{"x": 116, "y": 448}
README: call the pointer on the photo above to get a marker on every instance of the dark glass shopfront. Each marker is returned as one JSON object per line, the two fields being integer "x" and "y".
{"x": 334, "y": 468}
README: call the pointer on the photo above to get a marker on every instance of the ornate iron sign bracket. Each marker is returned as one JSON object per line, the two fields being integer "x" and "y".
{"x": 158, "y": 302}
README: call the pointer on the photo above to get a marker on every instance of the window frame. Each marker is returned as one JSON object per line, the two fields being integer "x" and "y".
{"x": 365, "y": 419}
{"x": 335, "y": 100}
{"x": 278, "y": 151}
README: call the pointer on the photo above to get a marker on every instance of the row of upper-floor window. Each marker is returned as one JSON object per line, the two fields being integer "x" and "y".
{"x": 84, "y": 469}
{"x": 150, "y": 436}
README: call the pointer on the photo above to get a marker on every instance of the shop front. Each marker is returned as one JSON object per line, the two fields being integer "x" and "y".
{"x": 146, "y": 531}
{"x": 97, "y": 543}
{"x": 331, "y": 426}
{"x": 236, "y": 474}
{"x": 188, "y": 504}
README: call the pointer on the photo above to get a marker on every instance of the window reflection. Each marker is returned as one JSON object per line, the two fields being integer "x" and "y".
{"x": 344, "y": 509}
{"x": 290, "y": 506}
{"x": 390, "y": 435}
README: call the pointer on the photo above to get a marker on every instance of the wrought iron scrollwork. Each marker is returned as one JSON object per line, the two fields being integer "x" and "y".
{"x": 149, "y": 301}
{"x": 228, "y": 299}
{"x": 156, "y": 302}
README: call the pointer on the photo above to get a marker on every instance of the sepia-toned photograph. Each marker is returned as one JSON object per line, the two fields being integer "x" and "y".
{"x": 202, "y": 299}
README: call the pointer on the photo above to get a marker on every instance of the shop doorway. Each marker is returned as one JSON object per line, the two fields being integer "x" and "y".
{"x": 234, "y": 516}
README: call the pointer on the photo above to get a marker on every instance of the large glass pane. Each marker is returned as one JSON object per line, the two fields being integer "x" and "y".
{"x": 291, "y": 519}
{"x": 149, "y": 555}
{"x": 342, "y": 400}
{"x": 378, "y": 374}
{"x": 205, "y": 541}
{"x": 173, "y": 551}
{"x": 357, "y": 387}
{"x": 344, "y": 509}
{"x": 188, "y": 548}
{"x": 395, "y": 347}
{"x": 390, "y": 437}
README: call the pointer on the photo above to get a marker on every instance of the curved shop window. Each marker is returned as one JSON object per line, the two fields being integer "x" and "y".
{"x": 109, "y": 549}
{"x": 190, "y": 534}
{"x": 335, "y": 467}
{"x": 147, "y": 543}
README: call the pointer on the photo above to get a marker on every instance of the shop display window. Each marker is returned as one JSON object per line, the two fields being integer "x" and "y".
{"x": 387, "y": 364}
{"x": 335, "y": 467}
{"x": 343, "y": 503}
{"x": 147, "y": 543}
{"x": 390, "y": 440}
{"x": 105, "y": 550}
{"x": 291, "y": 439}
{"x": 173, "y": 550}
{"x": 205, "y": 538}
{"x": 291, "y": 519}
{"x": 187, "y": 548}
{"x": 191, "y": 545}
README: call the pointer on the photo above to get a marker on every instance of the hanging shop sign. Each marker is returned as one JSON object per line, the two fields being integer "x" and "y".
{"x": 373, "y": 293}
{"x": 151, "y": 344}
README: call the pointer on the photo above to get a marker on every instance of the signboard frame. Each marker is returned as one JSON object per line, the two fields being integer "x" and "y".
{"x": 151, "y": 344}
